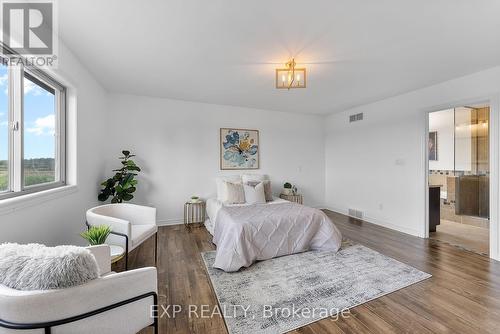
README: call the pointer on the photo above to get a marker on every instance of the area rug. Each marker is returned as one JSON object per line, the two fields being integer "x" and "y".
{"x": 285, "y": 293}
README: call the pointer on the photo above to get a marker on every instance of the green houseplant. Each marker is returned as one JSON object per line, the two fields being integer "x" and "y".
{"x": 287, "y": 188}
{"x": 96, "y": 235}
{"x": 123, "y": 184}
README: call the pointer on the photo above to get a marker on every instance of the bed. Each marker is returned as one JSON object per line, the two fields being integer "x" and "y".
{"x": 213, "y": 205}
{"x": 245, "y": 233}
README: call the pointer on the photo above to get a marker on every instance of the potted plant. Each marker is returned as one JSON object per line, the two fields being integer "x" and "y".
{"x": 195, "y": 199}
{"x": 122, "y": 185}
{"x": 96, "y": 235}
{"x": 287, "y": 188}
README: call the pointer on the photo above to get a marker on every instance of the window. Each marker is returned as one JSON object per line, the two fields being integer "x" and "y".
{"x": 4, "y": 129}
{"x": 32, "y": 131}
{"x": 39, "y": 132}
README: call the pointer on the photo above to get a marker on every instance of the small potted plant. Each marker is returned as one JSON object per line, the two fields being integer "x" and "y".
{"x": 287, "y": 188}
{"x": 194, "y": 199}
{"x": 96, "y": 235}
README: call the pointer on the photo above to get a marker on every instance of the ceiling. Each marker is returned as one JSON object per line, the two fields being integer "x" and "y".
{"x": 226, "y": 51}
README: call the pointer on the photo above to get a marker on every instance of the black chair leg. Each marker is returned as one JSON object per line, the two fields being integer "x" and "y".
{"x": 155, "y": 323}
{"x": 156, "y": 249}
{"x": 126, "y": 259}
{"x": 126, "y": 246}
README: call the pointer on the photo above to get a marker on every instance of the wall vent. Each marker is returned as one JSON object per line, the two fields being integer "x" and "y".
{"x": 355, "y": 213}
{"x": 356, "y": 117}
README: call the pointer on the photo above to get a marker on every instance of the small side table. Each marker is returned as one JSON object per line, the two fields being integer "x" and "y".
{"x": 117, "y": 253}
{"x": 194, "y": 212}
{"x": 293, "y": 198}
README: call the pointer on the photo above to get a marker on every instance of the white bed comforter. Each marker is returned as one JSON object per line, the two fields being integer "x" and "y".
{"x": 245, "y": 234}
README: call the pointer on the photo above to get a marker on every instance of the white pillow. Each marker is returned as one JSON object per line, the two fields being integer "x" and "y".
{"x": 37, "y": 267}
{"x": 221, "y": 190}
{"x": 267, "y": 188}
{"x": 255, "y": 195}
{"x": 234, "y": 192}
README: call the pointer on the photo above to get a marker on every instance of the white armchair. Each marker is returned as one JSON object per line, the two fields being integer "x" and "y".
{"x": 121, "y": 303}
{"x": 130, "y": 224}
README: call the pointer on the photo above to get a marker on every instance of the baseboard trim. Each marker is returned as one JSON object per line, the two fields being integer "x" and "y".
{"x": 168, "y": 222}
{"x": 378, "y": 222}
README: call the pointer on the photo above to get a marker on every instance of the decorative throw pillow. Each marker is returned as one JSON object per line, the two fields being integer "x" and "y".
{"x": 255, "y": 194}
{"x": 234, "y": 193}
{"x": 38, "y": 267}
{"x": 221, "y": 188}
{"x": 267, "y": 188}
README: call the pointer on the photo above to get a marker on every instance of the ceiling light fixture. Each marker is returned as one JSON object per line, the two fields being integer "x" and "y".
{"x": 290, "y": 77}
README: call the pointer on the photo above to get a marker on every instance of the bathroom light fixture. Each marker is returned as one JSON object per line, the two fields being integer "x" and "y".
{"x": 290, "y": 77}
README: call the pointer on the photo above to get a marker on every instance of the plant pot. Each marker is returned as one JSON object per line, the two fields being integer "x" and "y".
{"x": 287, "y": 191}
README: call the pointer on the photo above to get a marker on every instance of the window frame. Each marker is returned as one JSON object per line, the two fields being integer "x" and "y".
{"x": 16, "y": 77}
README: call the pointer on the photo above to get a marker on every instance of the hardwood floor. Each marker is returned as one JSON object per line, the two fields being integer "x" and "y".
{"x": 473, "y": 238}
{"x": 463, "y": 296}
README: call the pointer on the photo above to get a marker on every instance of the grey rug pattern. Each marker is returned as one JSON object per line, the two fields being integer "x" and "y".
{"x": 314, "y": 281}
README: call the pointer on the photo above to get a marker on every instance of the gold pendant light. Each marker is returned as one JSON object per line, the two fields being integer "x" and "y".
{"x": 290, "y": 77}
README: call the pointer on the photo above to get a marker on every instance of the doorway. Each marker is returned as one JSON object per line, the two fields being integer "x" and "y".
{"x": 459, "y": 177}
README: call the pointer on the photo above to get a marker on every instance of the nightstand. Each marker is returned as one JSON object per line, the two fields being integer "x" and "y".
{"x": 194, "y": 212}
{"x": 117, "y": 253}
{"x": 293, "y": 198}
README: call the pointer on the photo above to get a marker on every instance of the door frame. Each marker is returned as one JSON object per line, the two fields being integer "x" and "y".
{"x": 494, "y": 151}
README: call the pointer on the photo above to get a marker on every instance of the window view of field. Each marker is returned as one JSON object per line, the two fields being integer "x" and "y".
{"x": 4, "y": 178}
{"x": 36, "y": 171}
{"x": 39, "y": 137}
{"x": 39, "y": 134}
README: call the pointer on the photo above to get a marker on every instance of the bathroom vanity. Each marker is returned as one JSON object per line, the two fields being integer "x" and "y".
{"x": 434, "y": 207}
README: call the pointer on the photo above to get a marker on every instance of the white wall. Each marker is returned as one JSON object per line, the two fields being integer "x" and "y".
{"x": 443, "y": 122}
{"x": 58, "y": 219}
{"x": 378, "y": 165}
{"x": 177, "y": 145}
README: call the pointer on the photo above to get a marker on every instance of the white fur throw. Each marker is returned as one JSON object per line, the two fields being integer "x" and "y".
{"x": 38, "y": 267}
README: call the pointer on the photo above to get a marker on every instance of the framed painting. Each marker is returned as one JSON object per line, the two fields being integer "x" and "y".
{"x": 433, "y": 146}
{"x": 239, "y": 149}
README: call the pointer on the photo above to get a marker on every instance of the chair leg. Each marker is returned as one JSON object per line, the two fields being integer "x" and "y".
{"x": 126, "y": 246}
{"x": 126, "y": 259}
{"x": 156, "y": 249}
{"x": 155, "y": 323}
